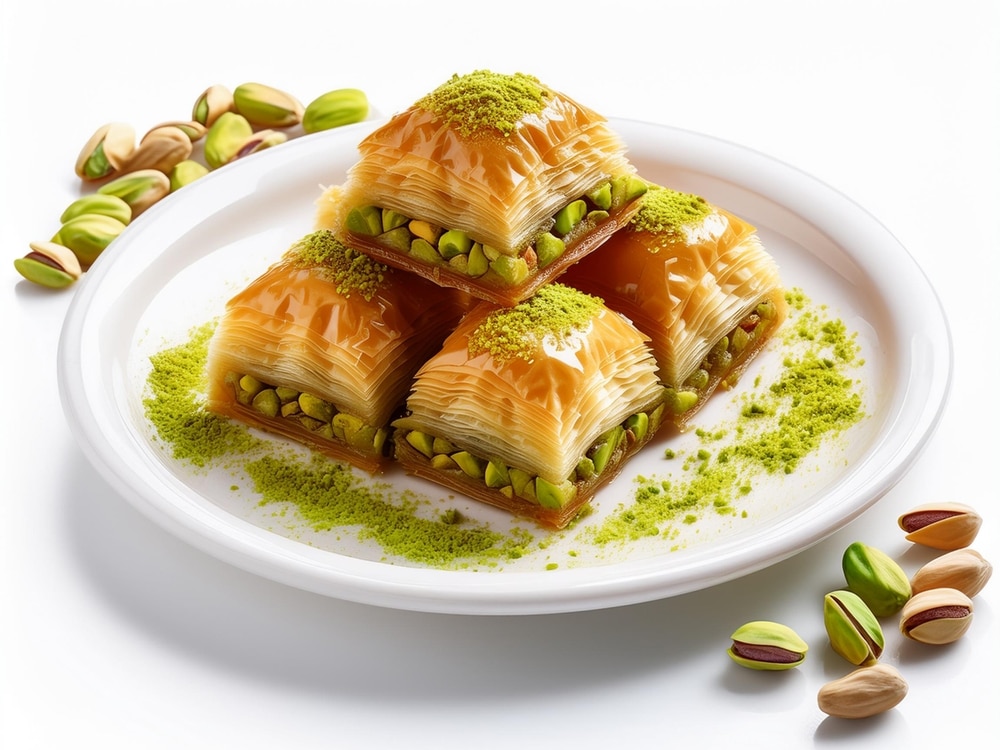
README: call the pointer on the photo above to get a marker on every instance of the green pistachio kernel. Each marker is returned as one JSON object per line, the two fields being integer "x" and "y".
{"x": 569, "y": 216}
{"x": 96, "y": 203}
{"x": 88, "y": 235}
{"x": 186, "y": 172}
{"x": 365, "y": 220}
{"x": 334, "y": 109}
{"x": 224, "y": 139}
{"x": 548, "y": 248}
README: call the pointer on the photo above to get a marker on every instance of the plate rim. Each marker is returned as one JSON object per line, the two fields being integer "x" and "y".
{"x": 468, "y": 592}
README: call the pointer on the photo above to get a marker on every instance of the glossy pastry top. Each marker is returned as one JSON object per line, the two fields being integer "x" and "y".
{"x": 491, "y": 154}
{"x": 536, "y": 384}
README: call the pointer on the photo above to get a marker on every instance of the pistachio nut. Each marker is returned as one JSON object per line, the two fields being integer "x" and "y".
{"x": 161, "y": 148}
{"x": 854, "y": 631}
{"x": 267, "y": 107}
{"x": 106, "y": 151}
{"x": 186, "y": 172}
{"x": 96, "y": 203}
{"x": 944, "y": 526}
{"x": 768, "y": 646}
{"x": 225, "y": 138}
{"x": 88, "y": 235}
{"x": 139, "y": 189}
{"x": 876, "y": 578}
{"x": 212, "y": 103}
{"x": 862, "y": 693}
{"x": 962, "y": 569}
{"x": 259, "y": 141}
{"x": 49, "y": 264}
{"x": 335, "y": 108}
{"x": 936, "y": 616}
{"x": 195, "y": 131}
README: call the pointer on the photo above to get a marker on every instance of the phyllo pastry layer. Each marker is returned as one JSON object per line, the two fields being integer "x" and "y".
{"x": 698, "y": 281}
{"x": 532, "y": 408}
{"x": 322, "y": 348}
{"x": 491, "y": 183}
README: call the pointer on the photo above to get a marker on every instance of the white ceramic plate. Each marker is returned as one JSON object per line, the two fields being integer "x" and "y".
{"x": 177, "y": 264}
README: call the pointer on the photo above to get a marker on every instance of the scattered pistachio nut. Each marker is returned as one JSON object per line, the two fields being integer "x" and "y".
{"x": 862, "y": 693}
{"x": 225, "y": 138}
{"x": 963, "y": 569}
{"x": 106, "y": 151}
{"x": 139, "y": 190}
{"x": 876, "y": 578}
{"x": 49, "y": 264}
{"x": 194, "y": 130}
{"x": 96, "y": 203}
{"x": 766, "y": 645}
{"x": 936, "y": 616}
{"x": 162, "y": 148}
{"x": 186, "y": 172}
{"x": 267, "y": 107}
{"x": 88, "y": 236}
{"x": 334, "y": 109}
{"x": 944, "y": 526}
{"x": 854, "y": 631}
{"x": 212, "y": 104}
{"x": 260, "y": 140}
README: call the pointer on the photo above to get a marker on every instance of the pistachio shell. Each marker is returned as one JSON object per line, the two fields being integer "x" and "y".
{"x": 876, "y": 578}
{"x": 937, "y": 616}
{"x": 50, "y": 265}
{"x": 105, "y": 152}
{"x": 266, "y": 106}
{"x": 139, "y": 190}
{"x": 212, "y": 104}
{"x": 162, "y": 148}
{"x": 195, "y": 131}
{"x": 945, "y": 526}
{"x": 864, "y": 692}
{"x": 96, "y": 203}
{"x": 854, "y": 631}
{"x": 766, "y": 645}
{"x": 334, "y": 109}
{"x": 259, "y": 141}
{"x": 963, "y": 569}
{"x": 88, "y": 235}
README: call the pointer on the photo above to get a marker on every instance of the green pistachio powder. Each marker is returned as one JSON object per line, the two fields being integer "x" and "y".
{"x": 812, "y": 400}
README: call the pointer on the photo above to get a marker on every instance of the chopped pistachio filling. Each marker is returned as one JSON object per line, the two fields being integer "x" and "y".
{"x": 310, "y": 412}
{"x": 603, "y": 455}
{"x": 719, "y": 361}
{"x": 457, "y": 250}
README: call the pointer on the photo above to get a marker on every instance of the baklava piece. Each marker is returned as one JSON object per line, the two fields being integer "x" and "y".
{"x": 698, "y": 281}
{"x": 491, "y": 183}
{"x": 322, "y": 348}
{"x": 532, "y": 408}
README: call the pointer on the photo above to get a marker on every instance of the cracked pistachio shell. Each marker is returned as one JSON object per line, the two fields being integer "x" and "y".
{"x": 139, "y": 189}
{"x": 95, "y": 203}
{"x": 212, "y": 104}
{"x": 186, "y": 172}
{"x": 50, "y": 265}
{"x": 766, "y": 645}
{"x": 876, "y": 578}
{"x": 963, "y": 569}
{"x": 88, "y": 235}
{"x": 944, "y": 526}
{"x": 854, "y": 631}
{"x": 259, "y": 141}
{"x": 335, "y": 108}
{"x": 225, "y": 138}
{"x": 267, "y": 107}
{"x": 195, "y": 131}
{"x": 864, "y": 692}
{"x": 937, "y": 616}
{"x": 106, "y": 151}
{"x": 162, "y": 148}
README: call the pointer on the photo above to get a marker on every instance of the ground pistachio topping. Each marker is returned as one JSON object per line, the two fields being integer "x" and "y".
{"x": 350, "y": 270}
{"x": 555, "y": 311}
{"x": 483, "y": 100}
{"x": 665, "y": 212}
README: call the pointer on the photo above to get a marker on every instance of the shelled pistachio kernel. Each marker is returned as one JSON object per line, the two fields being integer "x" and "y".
{"x": 937, "y": 616}
{"x": 768, "y": 646}
{"x": 258, "y": 141}
{"x": 267, "y": 107}
{"x": 105, "y": 151}
{"x": 212, "y": 103}
{"x": 88, "y": 236}
{"x": 186, "y": 172}
{"x": 224, "y": 139}
{"x": 876, "y": 578}
{"x": 96, "y": 203}
{"x": 963, "y": 569}
{"x": 864, "y": 692}
{"x": 854, "y": 631}
{"x": 334, "y": 109}
{"x": 944, "y": 526}
{"x": 139, "y": 190}
{"x": 49, "y": 264}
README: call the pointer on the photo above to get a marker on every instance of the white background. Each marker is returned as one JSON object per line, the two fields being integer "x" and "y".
{"x": 114, "y": 632}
